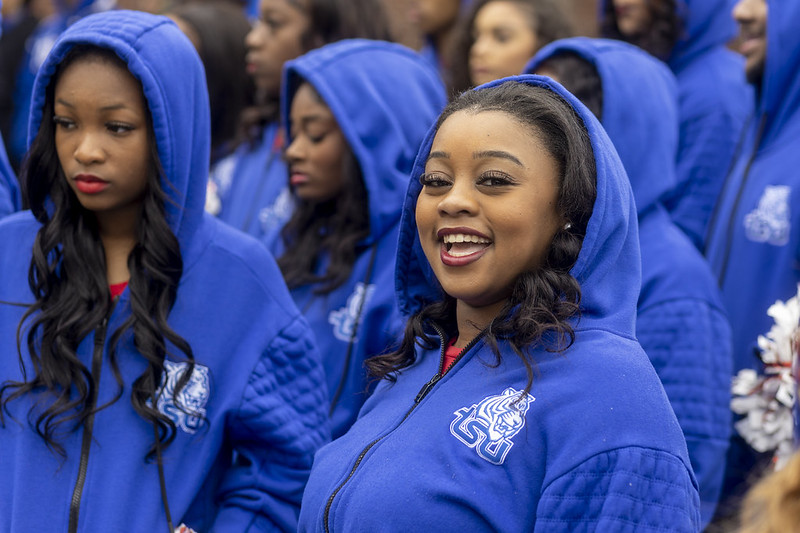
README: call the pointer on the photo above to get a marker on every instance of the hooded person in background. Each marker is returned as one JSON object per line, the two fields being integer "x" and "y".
{"x": 10, "y": 199}
{"x": 754, "y": 238}
{"x": 680, "y": 320}
{"x": 248, "y": 189}
{"x": 714, "y": 99}
{"x": 355, "y": 112}
{"x": 162, "y": 371}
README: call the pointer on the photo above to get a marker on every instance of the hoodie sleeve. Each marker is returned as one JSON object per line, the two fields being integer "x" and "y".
{"x": 707, "y": 144}
{"x": 689, "y": 344}
{"x": 624, "y": 490}
{"x": 9, "y": 192}
{"x": 281, "y": 423}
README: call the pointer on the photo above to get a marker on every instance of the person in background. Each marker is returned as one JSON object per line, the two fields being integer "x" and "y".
{"x": 497, "y": 38}
{"x": 772, "y": 505}
{"x": 355, "y": 112}
{"x": 519, "y": 399}
{"x": 714, "y": 100}
{"x": 10, "y": 199}
{"x": 37, "y": 45}
{"x": 437, "y": 21}
{"x": 248, "y": 190}
{"x": 680, "y": 319}
{"x": 156, "y": 370}
{"x": 217, "y": 29}
{"x": 754, "y": 234}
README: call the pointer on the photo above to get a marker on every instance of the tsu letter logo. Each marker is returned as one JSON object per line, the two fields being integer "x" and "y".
{"x": 769, "y": 222}
{"x": 192, "y": 398}
{"x": 344, "y": 320}
{"x": 489, "y": 426}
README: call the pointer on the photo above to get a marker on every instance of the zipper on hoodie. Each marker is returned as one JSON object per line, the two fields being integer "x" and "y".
{"x": 97, "y": 365}
{"x": 735, "y": 208}
{"x": 426, "y": 388}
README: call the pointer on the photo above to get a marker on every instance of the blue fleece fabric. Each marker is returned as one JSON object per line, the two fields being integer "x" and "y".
{"x": 680, "y": 320}
{"x": 10, "y": 199}
{"x": 384, "y": 98}
{"x": 754, "y": 237}
{"x": 264, "y": 396}
{"x": 253, "y": 186}
{"x": 596, "y": 446}
{"x": 715, "y": 103}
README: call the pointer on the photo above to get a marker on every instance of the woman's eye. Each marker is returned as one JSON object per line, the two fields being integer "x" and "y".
{"x": 495, "y": 179}
{"x": 433, "y": 179}
{"x": 316, "y": 139}
{"x": 118, "y": 127}
{"x": 63, "y": 122}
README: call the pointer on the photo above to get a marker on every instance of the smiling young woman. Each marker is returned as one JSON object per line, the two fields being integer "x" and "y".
{"x": 519, "y": 399}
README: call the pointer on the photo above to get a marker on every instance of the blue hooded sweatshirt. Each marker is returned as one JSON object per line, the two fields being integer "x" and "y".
{"x": 680, "y": 321}
{"x": 252, "y": 185}
{"x": 384, "y": 98}
{"x": 257, "y": 381}
{"x": 594, "y": 446}
{"x": 10, "y": 199}
{"x": 715, "y": 103}
{"x": 754, "y": 236}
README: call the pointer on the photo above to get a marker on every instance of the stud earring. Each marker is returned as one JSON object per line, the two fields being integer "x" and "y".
{"x": 567, "y": 226}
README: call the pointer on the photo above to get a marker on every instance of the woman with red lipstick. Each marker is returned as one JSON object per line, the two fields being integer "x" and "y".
{"x": 155, "y": 369}
{"x": 498, "y": 37}
{"x": 355, "y": 113}
{"x": 519, "y": 399}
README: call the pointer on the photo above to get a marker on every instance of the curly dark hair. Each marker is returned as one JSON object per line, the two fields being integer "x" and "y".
{"x": 546, "y": 19}
{"x": 543, "y": 300}
{"x": 659, "y": 39}
{"x": 329, "y": 21}
{"x": 67, "y": 276}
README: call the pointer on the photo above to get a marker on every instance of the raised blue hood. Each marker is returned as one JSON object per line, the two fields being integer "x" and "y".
{"x": 708, "y": 24}
{"x": 646, "y": 142}
{"x": 176, "y": 96}
{"x": 680, "y": 320}
{"x": 608, "y": 267}
{"x": 779, "y": 95}
{"x": 383, "y": 140}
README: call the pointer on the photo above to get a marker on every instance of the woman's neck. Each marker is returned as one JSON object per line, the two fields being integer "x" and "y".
{"x": 472, "y": 320}
{"x": 118, "y": 235}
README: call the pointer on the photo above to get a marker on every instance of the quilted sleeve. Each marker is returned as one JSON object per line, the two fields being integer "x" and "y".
{"x": 281, "y": 423}
{"x": 689, "y": 344}
{"x": 707, "y": 144}
{"x": 626, "y": 490}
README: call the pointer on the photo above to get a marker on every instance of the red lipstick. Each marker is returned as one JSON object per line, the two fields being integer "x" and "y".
{"x": 90, "y": 184}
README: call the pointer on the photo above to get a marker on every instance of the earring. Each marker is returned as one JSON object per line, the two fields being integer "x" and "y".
{"x": 567, "y": 226}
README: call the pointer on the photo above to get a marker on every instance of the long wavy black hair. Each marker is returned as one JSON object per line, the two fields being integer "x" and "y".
{"x": 659, "y": 39}
{"x": 328, "y": 21}
{"x": 546, "y": 19}
{"x": 543, "y": 301}
{"x": 328, "y": 233}
{"x": 67, "y": 276}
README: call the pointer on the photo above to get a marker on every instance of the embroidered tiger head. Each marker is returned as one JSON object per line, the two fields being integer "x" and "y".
{"x": 504, "y": 414}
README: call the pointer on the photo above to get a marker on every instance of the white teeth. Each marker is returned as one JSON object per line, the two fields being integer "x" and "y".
{"x": 461, "y": 237}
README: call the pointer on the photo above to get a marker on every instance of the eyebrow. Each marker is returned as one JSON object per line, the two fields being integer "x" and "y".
{"x": 111, "y": 107}
{"x": 480, "y": 155}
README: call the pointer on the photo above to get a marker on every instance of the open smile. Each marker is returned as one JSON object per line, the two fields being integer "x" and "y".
{"x": 460, "y": 249}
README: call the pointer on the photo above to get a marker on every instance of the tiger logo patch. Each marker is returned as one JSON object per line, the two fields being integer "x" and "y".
{"x": 489, "y": 425}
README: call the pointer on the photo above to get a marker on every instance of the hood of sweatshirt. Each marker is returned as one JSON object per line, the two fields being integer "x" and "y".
{"x": 384, "y": 97}
{"x": 608, "y": 266}
{"x": 174, "y": 89}
{"x": 780, "y": 86}
{"x": 640, "y": 113}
